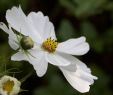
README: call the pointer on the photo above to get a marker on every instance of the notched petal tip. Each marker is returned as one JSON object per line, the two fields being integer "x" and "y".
{"x": 81, "y": 79}
{"x": 1, "y": 23}
{"x": 86, "y": 45}
{"x": 39, "y": 75}
{"x": 95, "y": 78}
{"x": 76, "y": 82}
{"x": 40, "y": 13}
{"x": 4, "y": 27}
{"x": 77, "y": 46}
{"x": 85, "y": 91}
{"x": 83, "y": 38}
{"x": 13, "y": 58}
{"x": 20, "y": 6}
{"x": 12, "y": 9}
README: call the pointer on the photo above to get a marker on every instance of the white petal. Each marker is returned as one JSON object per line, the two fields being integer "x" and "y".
{"x": 77, "y": 83}
{"x": 38, "y": 21}
{"x": 85, "y": 76}
{"x": 74, "y": 46}
{"x": 34, "y": 57}
{"x": 85, "y": 72}
{"x": 4, "y": 27}
{"x": 19, "y": 56}
{"x": 75, "y": 64}
{"x": 13, "y": 42}
{"x": 7, "y": 30}
{"x": 49, "y": 31}
{"x": 58, "y": 59}
{"x": 12, "y": 37}
{"x": 39, "y": 63}
{"x": 42, "y": 25}
{"x": 71, "y": 67}
{"x": 81, "y": 79}
{"x": 21, "y": 23}
{"x": 41, "y": 67}
{"x": 17, "y": 19}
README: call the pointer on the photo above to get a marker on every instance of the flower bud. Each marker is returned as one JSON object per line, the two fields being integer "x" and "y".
{"x": 26, "y": 43}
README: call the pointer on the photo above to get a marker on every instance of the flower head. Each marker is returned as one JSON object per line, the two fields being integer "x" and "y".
{"x": 37, "y": 37}
{"x": 9, "y": 86}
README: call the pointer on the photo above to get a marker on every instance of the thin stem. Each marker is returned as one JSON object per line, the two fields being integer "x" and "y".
{"x": 26, "y": 77}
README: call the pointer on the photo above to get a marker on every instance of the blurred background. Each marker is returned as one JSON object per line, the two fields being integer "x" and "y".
{"x": 71, "y": 18}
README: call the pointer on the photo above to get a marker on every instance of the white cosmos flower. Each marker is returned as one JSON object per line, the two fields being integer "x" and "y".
{"x": 9, "y": 86}
{"x": 28, "y": 41}
{"x": 46, "y": 49}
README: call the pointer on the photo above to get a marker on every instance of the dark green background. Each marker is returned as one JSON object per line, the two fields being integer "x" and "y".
{"x": 71, "y": 18}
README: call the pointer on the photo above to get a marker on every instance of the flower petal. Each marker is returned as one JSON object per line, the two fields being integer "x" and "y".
{"x": 58, "y": 59}
{"x": 71, "y": 67}
{"x": 40, "y": 67}
{"x": 12, "y": 37}
{"x": 74, "y": 46}
{"x": 4, "y": 27}
{"x": 81, "y": 79}
{"x": 34, "y": 57}
{"x": 36, "y": 21}
{"x": 17, "y": 19}
{"x": 50, "y": 31}
{"x": 77, "y": 83}
{"x": 42, "y": 25}
{"x": 39, "y": 62}
{"x": 19, "y": 56}
{"x": 13, "y": 42}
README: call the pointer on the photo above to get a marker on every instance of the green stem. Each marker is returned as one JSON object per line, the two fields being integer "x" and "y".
{"x": 26, "y": 77}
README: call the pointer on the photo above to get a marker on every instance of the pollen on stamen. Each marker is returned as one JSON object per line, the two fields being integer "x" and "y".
{"x": 50, "y": 45}
{"x": 8, "y": 86}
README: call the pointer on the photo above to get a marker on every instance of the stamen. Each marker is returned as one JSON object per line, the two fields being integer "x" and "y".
{"x": 50, "y": 45}
{"x": 8, "y": 86}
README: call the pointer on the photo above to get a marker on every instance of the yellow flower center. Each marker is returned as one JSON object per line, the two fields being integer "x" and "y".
{"x": 50, "y": 45}
{"x": 8, "y": 86}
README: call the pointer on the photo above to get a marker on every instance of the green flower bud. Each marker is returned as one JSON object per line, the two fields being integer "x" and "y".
{"x": 26, "y": 43}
